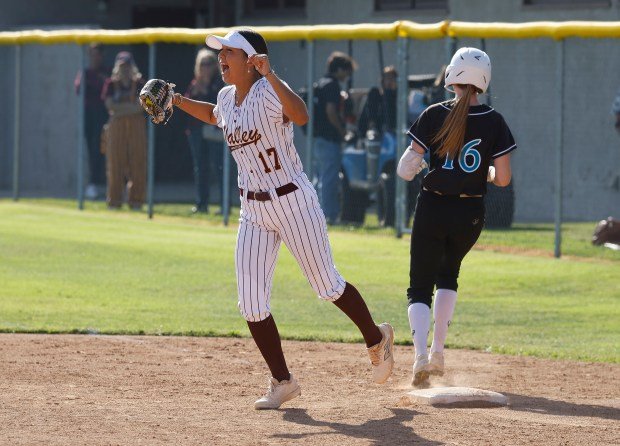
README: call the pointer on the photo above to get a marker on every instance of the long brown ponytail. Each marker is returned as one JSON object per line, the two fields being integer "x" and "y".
{"x": 451, "y": 135}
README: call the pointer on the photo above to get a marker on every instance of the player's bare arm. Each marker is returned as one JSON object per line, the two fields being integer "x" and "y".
{"x": 198, "y": 109}
{"x": 293, "y": 107}
{"x": 416, "y": 148}
{"x": 503, "y": 173}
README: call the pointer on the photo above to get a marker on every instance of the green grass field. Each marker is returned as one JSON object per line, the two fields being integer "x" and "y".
{"x": 62, "y": 271}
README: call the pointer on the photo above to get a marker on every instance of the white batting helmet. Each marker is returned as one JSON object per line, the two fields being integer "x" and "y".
{"x": 469, "y": 66}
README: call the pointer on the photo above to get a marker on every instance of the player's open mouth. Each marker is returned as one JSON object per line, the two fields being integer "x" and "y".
{"x": 224, "y": 68}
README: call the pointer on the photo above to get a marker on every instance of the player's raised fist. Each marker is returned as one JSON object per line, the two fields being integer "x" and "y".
{"x": 261, "y": 62}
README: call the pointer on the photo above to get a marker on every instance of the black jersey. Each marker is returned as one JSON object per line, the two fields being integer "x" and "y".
{"x": 487, "y": 136}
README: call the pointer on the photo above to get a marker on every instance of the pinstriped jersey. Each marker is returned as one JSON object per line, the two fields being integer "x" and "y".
{"x": 487, "y": 137}
{"x": 259, "y": 140}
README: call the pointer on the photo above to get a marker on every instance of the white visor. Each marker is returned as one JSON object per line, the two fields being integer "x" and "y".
{"x": 233, "y": 40}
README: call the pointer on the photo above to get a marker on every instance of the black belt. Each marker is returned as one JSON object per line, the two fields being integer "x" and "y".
{"x": 264, "y": 196}
{"x": 460, "y": 195}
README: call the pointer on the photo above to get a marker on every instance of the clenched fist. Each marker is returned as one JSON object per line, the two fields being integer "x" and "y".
{"x": 261, "y": 63}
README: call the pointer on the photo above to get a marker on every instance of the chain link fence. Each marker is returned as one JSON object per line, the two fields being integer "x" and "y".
{"x": 555, "y": 96}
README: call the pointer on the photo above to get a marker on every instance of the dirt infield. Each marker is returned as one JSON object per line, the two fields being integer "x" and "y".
{"x": 108, "y": 390}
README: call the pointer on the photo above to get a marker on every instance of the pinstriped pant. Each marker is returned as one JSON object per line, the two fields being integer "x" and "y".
{"x": 125, "y": 150}
{"x": 297, "y": 220}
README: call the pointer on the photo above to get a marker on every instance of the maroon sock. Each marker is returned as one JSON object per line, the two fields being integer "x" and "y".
{"x": 267, "y": 338}
{"x": 353, "y": 305}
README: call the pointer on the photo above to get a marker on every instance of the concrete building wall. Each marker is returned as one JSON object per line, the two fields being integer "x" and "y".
{"x": 49, "y": 118}
{"x": 522, "y": 89}
{"x": 43, "y": 13}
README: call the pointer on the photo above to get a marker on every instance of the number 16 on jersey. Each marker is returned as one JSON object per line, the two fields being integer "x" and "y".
{"x": 469, "y": 158}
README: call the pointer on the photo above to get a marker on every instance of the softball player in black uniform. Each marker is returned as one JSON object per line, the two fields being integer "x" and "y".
{"x": 463, "y": 137}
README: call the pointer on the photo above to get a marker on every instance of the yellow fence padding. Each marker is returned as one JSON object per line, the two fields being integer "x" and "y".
{"x": 373, "y": 31}
{"x": 414, "y": 30}
{"x": 609, "y": 30}
{"x": 501, "y": 30}
{"x": 553, "y": 30}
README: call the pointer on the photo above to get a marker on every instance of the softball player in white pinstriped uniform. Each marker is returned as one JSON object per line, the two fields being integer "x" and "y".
{"x": 294, "y": 218}
{"x": 256, "y": 112}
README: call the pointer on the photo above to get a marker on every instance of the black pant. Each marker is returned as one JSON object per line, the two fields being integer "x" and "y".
{"x": 444, "y": 230}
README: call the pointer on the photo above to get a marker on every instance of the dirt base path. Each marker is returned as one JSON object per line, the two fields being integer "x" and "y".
{"x": 108, "y": 390}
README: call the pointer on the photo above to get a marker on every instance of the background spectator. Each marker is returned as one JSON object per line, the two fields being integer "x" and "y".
{"x": 205, "y": 141}
{"x": 416, "y": 104}
{"x": 379, "y": 112}
{"x": 329, "y": 131}
{"x": 95, "y": 116}
{"x": 125, "y": 134}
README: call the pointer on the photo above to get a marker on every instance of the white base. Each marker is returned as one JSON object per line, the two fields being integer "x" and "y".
{"x": 457, "y": 396}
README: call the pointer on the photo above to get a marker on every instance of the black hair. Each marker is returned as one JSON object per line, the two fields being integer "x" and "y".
{"x": 338, "y": 60}
{"x": 256, "y": 40}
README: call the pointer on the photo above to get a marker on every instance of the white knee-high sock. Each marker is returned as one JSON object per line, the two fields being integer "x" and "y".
{"x": 420, "y": 323}
{"x": 443, "y": 308}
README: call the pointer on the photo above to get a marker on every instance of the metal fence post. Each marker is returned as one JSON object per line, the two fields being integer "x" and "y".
{"x": 310, "y": 101}
{"x": 558, "y": 149}
{"x": 16, "y": 122}
{"x": 80, "y": 141}
{"x": 450, "y": 50}
{"x": 151, "y": 140}
{"x": 402, "y": 56}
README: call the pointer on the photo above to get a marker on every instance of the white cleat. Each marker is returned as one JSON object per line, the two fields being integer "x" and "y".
{"x": 420, "y": 371}
{"x": 278, "y": 392}
{"x": 435, "y": 364}
{"x": 382, "y": 355}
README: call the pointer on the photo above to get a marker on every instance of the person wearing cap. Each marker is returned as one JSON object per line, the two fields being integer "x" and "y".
{"x": 124, "y": 136}
{"x": 256, "y": 112}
